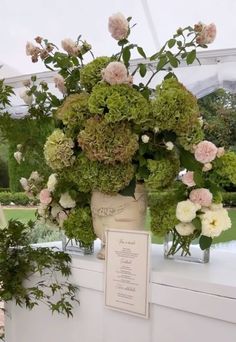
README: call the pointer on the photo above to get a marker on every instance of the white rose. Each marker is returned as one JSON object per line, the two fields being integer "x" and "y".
{"x": 185, "y": 229}
{"x": 145, "y": 138}
{"x": 52, "y": 181}
{"x": 220, "y": 152}
{"x": 216, "y": 206}
{"x": 169, "y": 145}
{"x": 28, "y": 99}
{"x": 186, "y": 211}
{"x": 24, "y": 183}
{"x": 66, "y": 201}
{"x": 18, "y": 156}
{"x": 214, "y": 222}
{"x": 56, "y": 209}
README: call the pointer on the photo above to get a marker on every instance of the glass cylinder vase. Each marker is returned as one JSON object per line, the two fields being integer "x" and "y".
{"x": 174, "y": 250}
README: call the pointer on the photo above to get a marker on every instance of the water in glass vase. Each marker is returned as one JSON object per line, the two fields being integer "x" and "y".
{"x": 173, "y": 249}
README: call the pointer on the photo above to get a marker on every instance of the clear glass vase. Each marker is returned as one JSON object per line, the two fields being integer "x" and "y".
{"x": 194, "y": 253}
{"x": 77, "y": 247}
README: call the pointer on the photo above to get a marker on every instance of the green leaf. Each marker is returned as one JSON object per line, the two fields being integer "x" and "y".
{"x": 188, "y": 161}
{"x": 33, "y": 78}
{"x": 191, "y": 56}
{"x": 198, "y": 178}
{"x": 205, "y": 242}
{"x": 130, "y": 189}
{"x": 171, "y": 43}
{"x": 153, "y": 57}
{"x": 141, "y": 52}
{"x": 162, "y": 62}
{"x": 126, "y": 56}
{"x": 142, "y": 69}
{"x": 174, "y": 62}
{"x": 197, "y": 223}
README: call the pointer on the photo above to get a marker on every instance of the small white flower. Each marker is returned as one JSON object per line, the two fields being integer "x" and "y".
{"x": 42, "y": 210}
{"x": 19, "y": 147}
{"x": 34, "y": 176}
{"x": 185, "y": 229}
{"x": 201, "y": 121}
{"x": 28, "y": 99}
{"x": 66, "y": 201}
{"x": 207, "y": 167}
{"x": 145, "y": 138}
{"x": 24, "y": 183}
{"x": 220, "y": 152}
{"x": 56, "y": 209}
{"x": 186, "y": 211}
{"x": 52, "y": 181}
{"x": 156, "y": 129}
{"x": 169, "y": 145}
{"x": 18, "y": 156}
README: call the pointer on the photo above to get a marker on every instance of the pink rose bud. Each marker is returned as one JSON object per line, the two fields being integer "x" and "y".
{"x": 45, "y": 196}
{"x": 188, "y": 179}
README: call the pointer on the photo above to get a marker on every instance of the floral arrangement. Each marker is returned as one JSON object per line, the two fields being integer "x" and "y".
{"x": 112, "y": 133}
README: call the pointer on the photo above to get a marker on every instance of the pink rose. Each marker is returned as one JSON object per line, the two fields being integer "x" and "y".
{"x": 118, "y": 26}
{"x": 207, "y": 34}
{"x": 220, "y": 152}
{"x": 115, "y": 73}
{"x": 45, "y": 196}
{"x": 201, "y": 196}
{"x": 205, "y": 152}
{"x": 188, "y": 179}
{"x": 70, "y": 47}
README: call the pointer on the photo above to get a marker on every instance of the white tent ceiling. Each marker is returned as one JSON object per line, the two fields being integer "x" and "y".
{"x": 21, "y": 21}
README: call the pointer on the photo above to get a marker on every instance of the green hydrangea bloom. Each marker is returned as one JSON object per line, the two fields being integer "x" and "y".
{"x": 58, "y": 150}
{"x": 108, "y": 143}
{"x": 162, "y": 171}
{"x": 79, "y": 226}
{"x": 91, "y": 73}
{"x": 93, "y": 175}
{"x": 192, "y": 136}
{"x": 174, "y": 107}
{"x": 224, "y": 169}
{"x": 74, "y": 110}
{"x": 119, "y": 102}
{"x": 163, "y": 211}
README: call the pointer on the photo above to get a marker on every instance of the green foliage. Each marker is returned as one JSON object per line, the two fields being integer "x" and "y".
{"x": 19, "y": 198}
{"x": 229, "y": 198}
{"x": 79, "y": 226}
{"x": 162, "y": 206}
{"x": 108, "y": 143}
{"x": 19, "y": 261}
{"x": 5, "y": 92}
{"x": 224, "y": 169}
{"x": 118, "y": 103}
{"x": 219, "y": 112}
{"x": 31, "y": 135}
{"x": 42, "y": 233}
{"x": 91, "y": 74}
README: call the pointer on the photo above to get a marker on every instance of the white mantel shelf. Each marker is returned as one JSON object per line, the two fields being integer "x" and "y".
{"x": 187, "y": 302}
